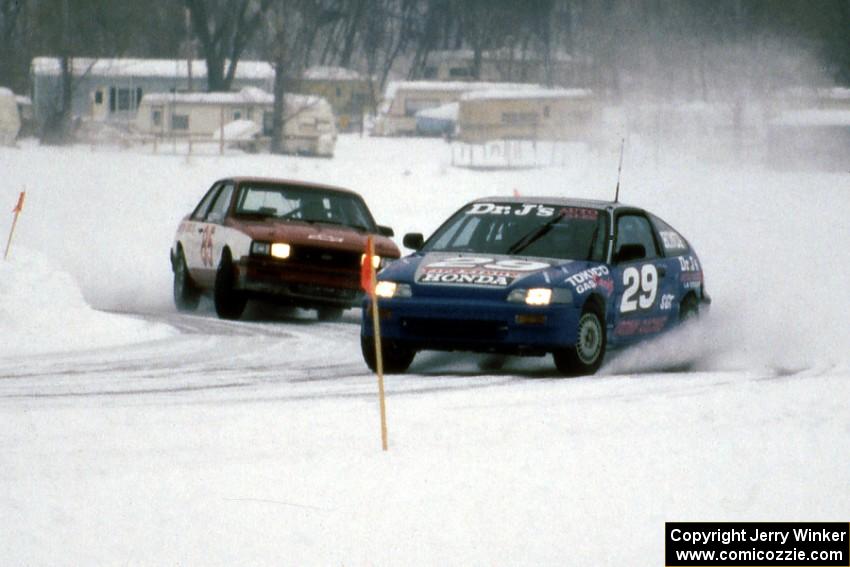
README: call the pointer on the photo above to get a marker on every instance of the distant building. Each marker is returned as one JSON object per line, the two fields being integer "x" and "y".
{"x": 111, "y": 90}
{"x": 10, "y": 120}
{"x": 308, "y": 127}
{"x": 404, "y": 99}
{"x": 525, "y": 114}
{"x": 347, "y": 91}
{"x": 500, "y": 65}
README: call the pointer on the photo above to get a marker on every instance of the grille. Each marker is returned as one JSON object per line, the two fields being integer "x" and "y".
{"x": 323, "y": 291}
{"x": 455, "y": 329}
{"x": 324, "y": 257}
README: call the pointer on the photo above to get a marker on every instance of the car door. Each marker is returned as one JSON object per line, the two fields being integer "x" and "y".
{"x": 213, "y": 237}
{"x": 643, "y": 280}
{"x": 194, "y": 232}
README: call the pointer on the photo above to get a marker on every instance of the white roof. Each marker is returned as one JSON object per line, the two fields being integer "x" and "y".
{"x": 450, "y": 86}
{"x": 501, "y": 54}
{"x": 168, "y": 68}
{"x": 814, "y": 117}
{"x": 331, "y": 74}
{"x": 6, "y": 92}
{"x": 248, "y": 95}
{"x": 532, "y": 92}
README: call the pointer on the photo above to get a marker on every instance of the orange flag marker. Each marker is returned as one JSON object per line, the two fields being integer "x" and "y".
{"x": 367, "y": 282}
{"x": 17, "y": 210}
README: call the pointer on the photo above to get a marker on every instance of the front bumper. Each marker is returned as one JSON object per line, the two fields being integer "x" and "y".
{"x": 300, "y": 284}
{"x": 480, "y": 326}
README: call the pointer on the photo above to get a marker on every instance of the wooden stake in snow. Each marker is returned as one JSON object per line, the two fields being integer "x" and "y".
{"x": 17, "y": 210}
{"x": 367, "y": 281}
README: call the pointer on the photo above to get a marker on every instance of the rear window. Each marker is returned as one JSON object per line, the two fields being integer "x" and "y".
{"x": 674, "y": 243}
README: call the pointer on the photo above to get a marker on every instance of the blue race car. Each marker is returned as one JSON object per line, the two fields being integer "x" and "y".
{"x": 530, "y": 276}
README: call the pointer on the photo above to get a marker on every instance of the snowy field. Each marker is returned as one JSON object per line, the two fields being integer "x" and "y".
{"x": 132, "y": 435}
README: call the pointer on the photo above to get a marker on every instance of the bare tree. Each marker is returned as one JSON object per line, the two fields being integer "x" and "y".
{"x": 224, "y": 29}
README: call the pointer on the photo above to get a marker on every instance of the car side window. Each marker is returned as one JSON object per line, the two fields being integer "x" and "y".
{"x": 635, "y": 229}
{"x": 221, "y": 204}
{"x": 200, "y": 211}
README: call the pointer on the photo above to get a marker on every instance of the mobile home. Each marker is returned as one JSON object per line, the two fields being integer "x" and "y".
{"x": 111, "y": 90}
{"x": 403, "y": 99}
{"x": 308, "y": 123}
{"x": 525, "y": 114}
{"x": 10, "y": 120}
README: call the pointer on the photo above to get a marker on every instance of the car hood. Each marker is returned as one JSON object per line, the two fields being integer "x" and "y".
{"x": 332, "y": 237}
{"x": 453, "y": 274}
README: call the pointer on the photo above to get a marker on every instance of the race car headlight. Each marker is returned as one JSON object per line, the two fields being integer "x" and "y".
{"x": 540, "y": 296}
{"x": 390, "y": 290}
{"x": 377, "y": 261}
{"x": 281, "y": 250}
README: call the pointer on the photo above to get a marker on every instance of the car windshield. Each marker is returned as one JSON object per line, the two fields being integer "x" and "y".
{"x": 526, "y": 229}
{"x": 292, "y": 202}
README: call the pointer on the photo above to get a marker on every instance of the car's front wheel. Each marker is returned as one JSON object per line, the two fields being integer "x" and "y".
{"x": 396, "y": 359}
{"x": 584, "y": 357}
{"x": 229, "y": 302}
{"x": 186, "y": 294}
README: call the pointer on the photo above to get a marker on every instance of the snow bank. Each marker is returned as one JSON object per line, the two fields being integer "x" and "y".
{"x": 42, "y": 310}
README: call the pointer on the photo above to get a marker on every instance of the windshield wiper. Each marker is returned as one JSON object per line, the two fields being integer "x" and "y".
{"x": 336, "y": 222}
{"x": 535, "y": 235}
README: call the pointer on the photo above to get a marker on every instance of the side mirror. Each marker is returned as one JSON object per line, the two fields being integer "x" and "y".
{"x": 630, "y": 252}
{"x": 386, "y": 231}
{"x": 413, "y": 240}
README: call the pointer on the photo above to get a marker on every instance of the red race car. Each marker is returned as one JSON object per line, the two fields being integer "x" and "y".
{"x": 287, "y": 242}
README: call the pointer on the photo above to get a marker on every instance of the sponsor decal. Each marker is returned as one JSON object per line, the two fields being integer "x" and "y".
{"x": 689, "y": 264}
{"x": 592, "y": 278}
{"x": 532, "y": 209}
{"x": 325, "y": 238}
{"x": 477, "y": 270}
{"x": 633, "y": 327}
{"x": 691, "y": 275}
{"x": 672, "y": 240}
{"x": 667, "y": 301}
{"x": 207, "y": 245}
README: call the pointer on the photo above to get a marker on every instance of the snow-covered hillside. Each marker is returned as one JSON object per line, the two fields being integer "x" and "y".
{"x": 139, "y": 436}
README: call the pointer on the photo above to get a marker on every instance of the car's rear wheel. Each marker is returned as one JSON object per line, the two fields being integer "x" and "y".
{"x": 329, "y": 313}
{"x": 186, "y": 293}
{"x": 229, "y": 302}
{"x": 584, "y": 357}
{"x": 396, "y": 359}
{"x": 688, "y": 309}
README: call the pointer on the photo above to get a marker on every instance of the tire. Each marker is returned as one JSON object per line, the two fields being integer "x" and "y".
{"x": 585, "y": 357}
{"x": 688, "y": 309}
{"x": 186, "y": 293}
{"x": 229, "y": 302}
{"x": 329, "y": 313}
{"x": 396, "y": 359}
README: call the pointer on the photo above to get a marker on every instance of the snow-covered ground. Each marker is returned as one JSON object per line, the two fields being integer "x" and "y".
{"x": 132, "y": 435}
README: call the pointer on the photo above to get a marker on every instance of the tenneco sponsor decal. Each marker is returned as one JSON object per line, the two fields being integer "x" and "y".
{"x": 526, "y": 209}
{"x": 757, "y": 544}
{"x": 477, "y": 270}
{"x": 592, "y": 278}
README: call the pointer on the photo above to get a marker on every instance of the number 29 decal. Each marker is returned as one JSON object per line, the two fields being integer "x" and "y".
{"x": 641, "y": 288}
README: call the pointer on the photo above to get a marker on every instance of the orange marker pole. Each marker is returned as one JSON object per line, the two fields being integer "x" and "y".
{"x": 367, "y": 282}
{"x": 17, "y": 210}
{"x": 379, "y": 358}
